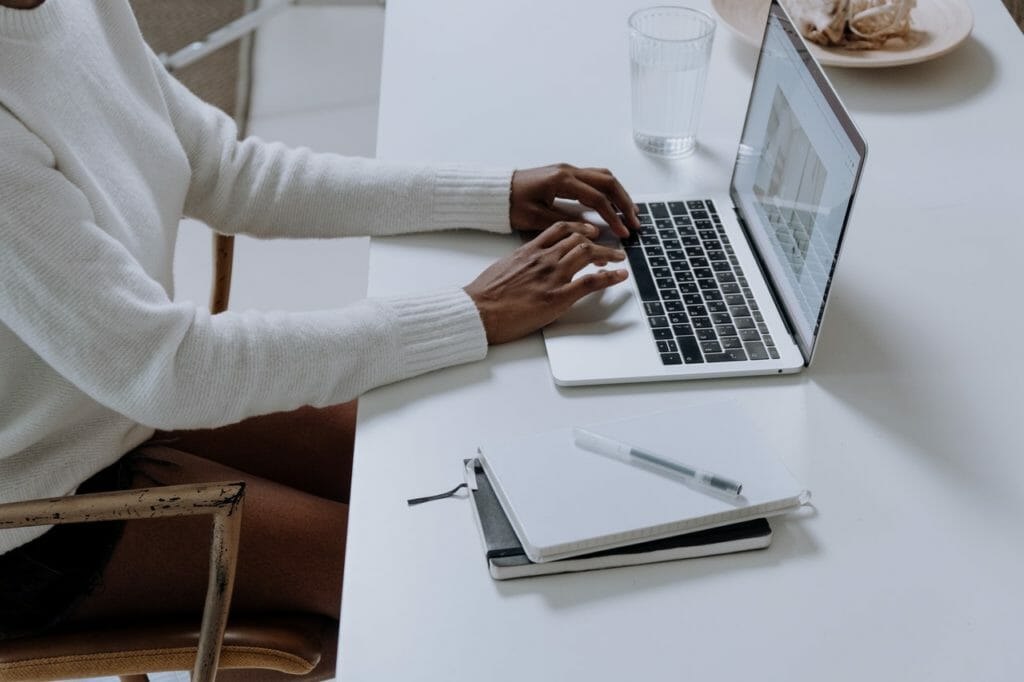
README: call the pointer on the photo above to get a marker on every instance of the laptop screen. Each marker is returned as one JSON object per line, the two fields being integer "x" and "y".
{"x": 798, "y": 165}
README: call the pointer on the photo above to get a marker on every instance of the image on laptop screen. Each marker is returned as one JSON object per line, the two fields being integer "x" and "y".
{"x": 798, "y": 164}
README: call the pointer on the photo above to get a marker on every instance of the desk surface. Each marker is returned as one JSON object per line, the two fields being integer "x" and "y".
{"x": 907, "y": 428}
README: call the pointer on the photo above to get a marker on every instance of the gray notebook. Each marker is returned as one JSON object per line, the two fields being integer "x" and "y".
{"x": 564, "y": 501}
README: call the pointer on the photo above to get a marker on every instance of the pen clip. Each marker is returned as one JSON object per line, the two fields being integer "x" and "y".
{"x": 469, "y": 472}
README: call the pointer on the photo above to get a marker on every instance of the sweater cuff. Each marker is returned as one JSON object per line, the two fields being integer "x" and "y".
{"x": 472, "y": 197}
{"x": 436, "y": 330}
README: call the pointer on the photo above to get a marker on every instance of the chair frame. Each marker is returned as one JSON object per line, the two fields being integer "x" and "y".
{"x": 223, "y": 501}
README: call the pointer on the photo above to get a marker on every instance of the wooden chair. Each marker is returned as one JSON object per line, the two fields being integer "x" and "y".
{"x": 267, "y": 648}
{"x": 258, "y": 649}
{"x": 291, "y": 645}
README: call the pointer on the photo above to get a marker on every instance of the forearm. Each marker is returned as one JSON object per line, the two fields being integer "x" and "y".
{"x": 271, "y": 190}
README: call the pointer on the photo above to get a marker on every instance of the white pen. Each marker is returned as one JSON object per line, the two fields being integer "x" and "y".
{"x": 607, "y": 446}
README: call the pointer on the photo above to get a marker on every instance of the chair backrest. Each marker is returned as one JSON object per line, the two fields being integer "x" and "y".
{"x": 222, "y": 78}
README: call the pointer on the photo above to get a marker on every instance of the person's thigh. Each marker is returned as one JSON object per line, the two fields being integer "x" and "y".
{"x": 309, "y": 448}
{"x": 291, "y": 553}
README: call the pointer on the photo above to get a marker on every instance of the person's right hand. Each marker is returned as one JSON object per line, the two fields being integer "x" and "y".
{"x": 534, "y": 285}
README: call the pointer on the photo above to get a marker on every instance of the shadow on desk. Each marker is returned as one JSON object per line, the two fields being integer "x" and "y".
{"x": 943, "y": 82}
{"x": 917, "y": 400}
{"x": 568, "y": 590}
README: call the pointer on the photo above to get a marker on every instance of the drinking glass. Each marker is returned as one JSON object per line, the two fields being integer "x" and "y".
{"x": 669, "y": 50}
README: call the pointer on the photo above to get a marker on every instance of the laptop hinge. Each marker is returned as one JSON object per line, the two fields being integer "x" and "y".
{"x": 776, "y": 298}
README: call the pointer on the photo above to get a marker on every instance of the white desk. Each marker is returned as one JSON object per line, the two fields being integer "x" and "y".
{"x": 909, "y": 437}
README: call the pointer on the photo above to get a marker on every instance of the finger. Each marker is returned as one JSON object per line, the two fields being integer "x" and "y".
{"x": 603, "y": 179}
{"x": 561, "y": 230}
{"x": 587, "y": 252}
{"x": 597, "y": 200}
{"x": 588, "y": 284}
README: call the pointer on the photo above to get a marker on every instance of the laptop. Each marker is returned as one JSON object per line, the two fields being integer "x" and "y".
{"x": 737, "y": 284}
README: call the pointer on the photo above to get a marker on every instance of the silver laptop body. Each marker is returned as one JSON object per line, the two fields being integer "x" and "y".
{"x": 771, "y": 243}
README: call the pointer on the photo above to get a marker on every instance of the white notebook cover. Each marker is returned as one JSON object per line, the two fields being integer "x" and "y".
{"x": 564, "y": 501}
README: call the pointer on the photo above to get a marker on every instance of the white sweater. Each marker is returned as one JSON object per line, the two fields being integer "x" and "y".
{"x": 101, "y": 153}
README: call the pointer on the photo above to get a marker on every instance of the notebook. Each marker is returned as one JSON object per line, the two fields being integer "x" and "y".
{"x": 736, "y": 283}
{"x": 564, "y": 501}
{"x": 507, "y": 560}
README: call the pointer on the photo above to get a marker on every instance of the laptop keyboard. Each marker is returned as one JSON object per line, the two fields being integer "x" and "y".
{"x": 698, "y": 304}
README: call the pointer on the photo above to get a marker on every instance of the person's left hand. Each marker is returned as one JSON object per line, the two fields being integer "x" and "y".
{"x": 534, "y": 191}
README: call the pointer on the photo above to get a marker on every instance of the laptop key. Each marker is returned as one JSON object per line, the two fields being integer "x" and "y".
{"x": 726, "y": 356}
{"x": 749, "y": 335}
{"x": 716, "y": 306}
{"x": 706, "y": 335}
{"x": 643, "y": 209}
{"x": 677, "y": 208}
{"x": 730, "y": 288}
{"x": 658, "y": 321}
{"x": 697, "y": 310}
{"x": 702, "y": 323}
{"x": 670, "y": 294}
{"x": 696, "y": 204}
{"x": 721, "y": 318}
{"x": 678, "y": 318}
{"x": 713, "y": 295}
{"x": 690, "y": 287}
{"x": 735, "y": 299}
{"x": 726, "y": 330}
{"x": 659, "y": 210}
{"x": 773, "y": 353}
{"x": 653, "y": 308}
{"x": 673, "y": 306}
{"x": 663, "y": 334}
{"x": 710, "y": 347}
{"x": 666, "y": 346}
{"x": 641, "y": 275}
{"x": 744, "y": 323}
{"x": 682, "y": 329}
{"x": 671, "y": 359}
{"x": 756, "y": 351}
{"x": 689, "y": 348}
{"x": 731, "y": 343}
{"x": 660, "y": 273}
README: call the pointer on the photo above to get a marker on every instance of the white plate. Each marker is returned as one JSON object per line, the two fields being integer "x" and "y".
{"x": 941, "y": 25}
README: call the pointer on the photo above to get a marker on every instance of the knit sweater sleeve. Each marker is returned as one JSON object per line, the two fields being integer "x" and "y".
{"x": 78, "y": 299}
{"x": 270, "y": 190}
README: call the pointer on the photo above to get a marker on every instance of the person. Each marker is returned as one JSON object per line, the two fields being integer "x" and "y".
{"x": 109, "y": 383}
